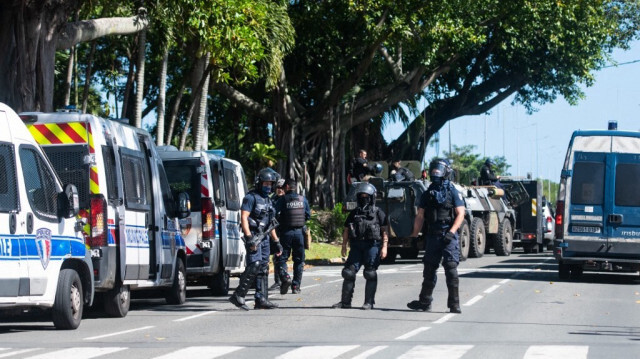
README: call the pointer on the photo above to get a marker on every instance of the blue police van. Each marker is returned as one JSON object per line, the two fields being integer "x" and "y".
{"x": 598, "y": 208}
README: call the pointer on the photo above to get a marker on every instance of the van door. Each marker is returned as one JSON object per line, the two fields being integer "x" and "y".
{"x": 137, "y": 201}
{"x": 585, "y": 232}
{"x": 12, "y": 269}
{"x": 623, "y": 218}
{"x": 234, "y": 187}
{"x": 219, "y": 201}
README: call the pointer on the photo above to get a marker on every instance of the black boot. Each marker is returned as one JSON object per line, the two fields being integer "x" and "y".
{"x": 246, "y": 279}
{"x": 347, "y": 294}
{"x": 451, "y": 273}
{"x": 263, "y": 302}
{"x": 285, "y": 283}
{"x": 426, "y": 296}
{"x": 369, "y": 294}
{"x": 453, "y": 302}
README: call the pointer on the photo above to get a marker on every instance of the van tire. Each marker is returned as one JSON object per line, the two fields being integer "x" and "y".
{"x": 477, "y": 238}
{"x": 177, "y": 294}
{"x": 69, "y": 302}
{"x": 117, "y": 301}
{"x": 464, "y": 236}
{"x": 219, "y": 283}
{"x": 503, "y": 241}
{"x": 563, "y": 271}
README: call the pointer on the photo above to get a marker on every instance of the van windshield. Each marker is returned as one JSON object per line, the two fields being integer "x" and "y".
{"x": 587, "y": 186}
{"x": 183, "y": 176}
{"x": 627, "y": 189}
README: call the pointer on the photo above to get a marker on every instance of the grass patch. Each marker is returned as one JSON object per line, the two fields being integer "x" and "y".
{"x": 320, "y": 251}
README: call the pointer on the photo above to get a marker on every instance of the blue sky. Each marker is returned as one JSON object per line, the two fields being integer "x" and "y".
{"x": 537, "y": 143}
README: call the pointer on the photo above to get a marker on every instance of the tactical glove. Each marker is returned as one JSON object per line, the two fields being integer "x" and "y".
{"x": 279, "y": 247}
{"x": 249, "y": 242}
{"x": 448, "y": 237}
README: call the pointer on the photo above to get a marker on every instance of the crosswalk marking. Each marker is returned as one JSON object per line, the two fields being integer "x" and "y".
{"x": 16, "y": 352}
{"x": 370, "y": 352}
{"x": 118, "y": 333}
{"x": 200, "y": 352}
{"x": 77, "y": 353}
{"x": 412, "y": 333}
{"x": 557, "y": 352}
{"x": 436, "y": 351}
{"x": 318, "y": 352}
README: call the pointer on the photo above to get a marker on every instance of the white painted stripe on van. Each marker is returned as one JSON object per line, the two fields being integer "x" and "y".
{"x": 78, "y": 353}
{"x": 412, "y": 333}
{"x": 319, "y": 352}
{"x": 118, "y": 333}
{"x": 370, "y": 352}
{"x": 16, "y": 352}
{"x": 195, "y": 316}
{"x": 200, "y": 352}
{"x": 557, "y": 352}
{"x": 436, "y": 351}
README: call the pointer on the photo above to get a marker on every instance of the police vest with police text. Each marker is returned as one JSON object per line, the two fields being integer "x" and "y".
{"x": 292, "y": 215}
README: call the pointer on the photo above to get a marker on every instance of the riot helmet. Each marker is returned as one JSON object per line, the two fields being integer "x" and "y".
{"x": 365, "y": 194}
{"x": 266, "y": 175}
{"x": 439, "y": 170}
{"x": 489, "y": 162}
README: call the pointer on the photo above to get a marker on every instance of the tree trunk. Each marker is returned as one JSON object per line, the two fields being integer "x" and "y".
{"x": 87, "y": 77}
{"x": 142, "y": 43}
{"x": 174, "y": 111}
{"x": 161, "y": 96}
{"x": 199, "y": 124}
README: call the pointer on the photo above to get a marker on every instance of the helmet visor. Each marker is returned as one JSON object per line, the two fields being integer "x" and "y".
{"x": 437, "y": 169}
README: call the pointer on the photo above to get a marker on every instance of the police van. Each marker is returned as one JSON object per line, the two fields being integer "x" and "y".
{"x": 212, "y": 233}
{"x": 598, "y": 208}
{"x": 43, "y": 258}
{"x": 130, "y": 216}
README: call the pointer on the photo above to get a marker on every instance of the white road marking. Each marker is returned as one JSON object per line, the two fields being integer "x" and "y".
{"x": 118, "y": 333}
{"x": 412, "y": 333}
{"x": 436, "y": 351}
{"x": 195, "y": 316}
{"x": 409, "y": 266}
{"x": 473, "y": 300}
{"x": 335, "y": 281}
{"x": 78, "y": 353}
{"x": 444, "y": 318}
{"x": 492, "y": 288}
{"x": 504, "y": 281}
{"x": 200, "y": 352}
{"x": 557, "y": 352}
{"x": 310, "y": 286}
{"x": 317, "y": 352}
{"x": 370, "y": 352}
{"x": 16, "y": 352}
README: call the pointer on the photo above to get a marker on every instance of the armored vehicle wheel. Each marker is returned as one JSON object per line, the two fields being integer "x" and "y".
{"x": 576, "y": 271}
{"x": 563, "y": 271}
{"x": 219, "y": 283}
{"x": 177, "y": 294}
{"x": 477, "y": 239}
{"x": 503, "y": 241}
{"x": 391, "y": 256}
{"x": 464, "y": 238}
{"x": 117, "y": 301}
{"x": 69, "y": 302}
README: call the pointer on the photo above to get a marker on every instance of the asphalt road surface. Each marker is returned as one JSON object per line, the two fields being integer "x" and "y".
{"x": 512, "y": 307}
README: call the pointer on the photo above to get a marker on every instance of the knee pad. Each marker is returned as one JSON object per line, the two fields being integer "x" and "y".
{"x": 451, "y": 273}
{"x": 253, "y": 267}
{"x": 370, "y": 274}
{"x": 449, "y": 265}
{"x": 349, "y": 273}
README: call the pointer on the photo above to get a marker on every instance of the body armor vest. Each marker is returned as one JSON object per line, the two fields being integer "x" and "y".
{"x": 440, "y": 213}
{"x": 260, "y": 213}
{"x": 365, "y": 226}
{"x": 292, "y": 215}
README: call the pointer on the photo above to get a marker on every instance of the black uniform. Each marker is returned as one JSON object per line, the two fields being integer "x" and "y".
{"x": 293, "y": 211}
{"x": 360, "y": 168}
{"x": 487, "y": 176}
{"x": 365, "y": 239}
{"x": 402, "y": 174}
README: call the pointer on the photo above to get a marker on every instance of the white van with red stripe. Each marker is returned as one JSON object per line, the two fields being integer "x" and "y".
{"x": 130, "y": 216}
{"x": 43, "y": 258}
{"x": 216, "y": 186}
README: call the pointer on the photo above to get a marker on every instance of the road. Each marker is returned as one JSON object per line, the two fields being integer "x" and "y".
{"x": 512, "y": 307}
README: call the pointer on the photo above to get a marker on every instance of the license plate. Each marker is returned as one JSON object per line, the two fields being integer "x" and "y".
{"x": 206, "y": 245}
{"x": 585, "y": 229}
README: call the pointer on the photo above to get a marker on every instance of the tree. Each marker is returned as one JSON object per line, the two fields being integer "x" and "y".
{"x": 30, "y": 34}
{"x": 466, "y": 163}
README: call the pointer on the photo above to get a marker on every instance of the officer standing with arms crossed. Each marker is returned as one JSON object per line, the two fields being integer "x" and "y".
{"x": 257, "y": 216}
{"x": 292, "y": 211}
{"x": 442, "y": 208}
{"x": 366, "y": 233}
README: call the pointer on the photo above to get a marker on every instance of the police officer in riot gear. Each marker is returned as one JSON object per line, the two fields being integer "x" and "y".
{"x": 279, "y": 192}
{"x": 399, "y": 173}
{"x": 366, "y": 233}
{"x": 292, "y": 211}
{"x": 487, "y": 175}
{"x": 441, "y": 208}
{"x": 257, "y": 216}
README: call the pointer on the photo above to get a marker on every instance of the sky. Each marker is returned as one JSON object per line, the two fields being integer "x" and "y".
{"x": 537, "y": 143}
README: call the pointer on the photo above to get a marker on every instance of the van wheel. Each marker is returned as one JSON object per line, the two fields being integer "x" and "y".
{"x": 391, "y": 256}
{"x": 477, "y": 239}
{"x": 69, "y": 302}
{"x": 219, "y": 283}
{"x": 177, "y": 294}
{"x": 503, "y": 241}
{"x": 563, "y": 271}
{"x": 463, "y": 235}
{"x": 117, "y": 301}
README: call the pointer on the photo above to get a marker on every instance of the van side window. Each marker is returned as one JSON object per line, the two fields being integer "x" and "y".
{"x": 40, "y": 184}
{"x": 110, "y": 171}
{"x": 587, "y": 186}
{"x": 230, "y": 182}
{"x": 8, "y": 186}
{"x": 627, "y": 189}
{"x": 215, "y": 173}
{"x": 135, "y": 186}
{"x": 183, "y": 176}
{"x": 167, "y": 197}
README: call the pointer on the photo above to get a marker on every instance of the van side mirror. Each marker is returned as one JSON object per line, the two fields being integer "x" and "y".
{"x": 184, "y": 205}
{"x": 68, "y": 202}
